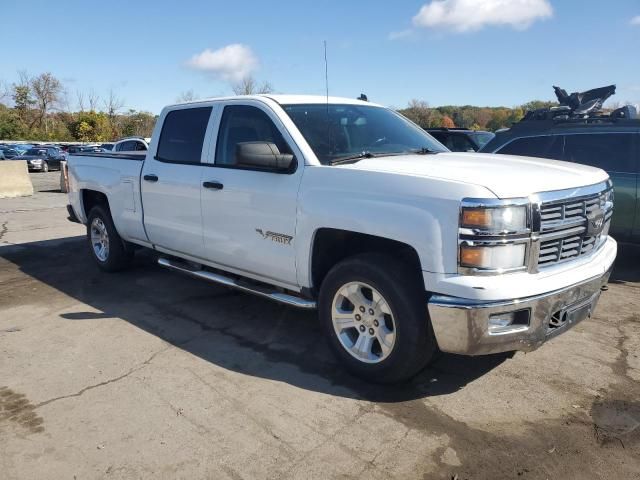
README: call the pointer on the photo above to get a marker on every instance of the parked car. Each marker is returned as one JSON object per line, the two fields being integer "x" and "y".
{"x": 42, "y": 159}
{"x": 346, "y": 206}
{"x": 610, "y": 143}
{"x": 85, "y": 149}
{"x": 132, "y": 145}
{"x": 461, "y": 139}
{"x": 9, "y": 152}
{"x": 21, "y": 148}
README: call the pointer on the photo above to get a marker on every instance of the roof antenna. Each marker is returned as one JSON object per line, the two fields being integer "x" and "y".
{"x": 326, "y": 83}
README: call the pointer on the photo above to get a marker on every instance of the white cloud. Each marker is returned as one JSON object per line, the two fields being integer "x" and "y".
{"x": 230, "y": 63}
{"x": 469, "y": 15}
{"x": 401, "y": 34}
{"x": 635, "y": 20}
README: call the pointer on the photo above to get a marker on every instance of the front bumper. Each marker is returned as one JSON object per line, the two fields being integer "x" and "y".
{"x": 462, "y": 325}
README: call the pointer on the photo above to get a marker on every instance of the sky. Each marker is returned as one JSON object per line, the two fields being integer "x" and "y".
{"x": 445, "y": 52}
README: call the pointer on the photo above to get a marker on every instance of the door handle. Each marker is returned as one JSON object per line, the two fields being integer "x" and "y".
{"x": 151, "y": 178}
{"x": 213, "y": 185}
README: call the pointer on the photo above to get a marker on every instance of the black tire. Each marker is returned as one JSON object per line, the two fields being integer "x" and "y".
{"x": 45, "y": 167}
{"x": 120, "y": 253}
{"x": 403, "y": 289}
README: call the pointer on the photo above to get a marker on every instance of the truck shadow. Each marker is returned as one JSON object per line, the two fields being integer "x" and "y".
{"x": 235, "y": 331}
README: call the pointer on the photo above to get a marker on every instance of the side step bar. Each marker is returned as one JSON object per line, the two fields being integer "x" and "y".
{"x": 280, "y": 297}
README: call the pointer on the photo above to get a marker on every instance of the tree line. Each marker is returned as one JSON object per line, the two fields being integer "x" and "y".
{"x": 39, "y": 108}
{"x": 468, "y": 116}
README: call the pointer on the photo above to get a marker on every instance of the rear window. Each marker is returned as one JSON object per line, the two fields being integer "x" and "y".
{"x": 611, "y": 151}
{"x": 182, "y": 135}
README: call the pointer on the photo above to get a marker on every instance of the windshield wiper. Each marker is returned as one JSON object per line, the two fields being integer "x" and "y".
{"x": 351, "y": 158}
{"x": 423, "y": 151}
{"x": 359, "y": 156}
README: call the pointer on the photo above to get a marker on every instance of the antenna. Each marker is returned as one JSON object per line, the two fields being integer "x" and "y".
{"x": 326, "y": 83}
{"x": 326, "y": 70}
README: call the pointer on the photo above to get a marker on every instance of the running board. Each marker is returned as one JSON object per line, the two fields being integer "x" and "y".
{"x": 280, "y": 297}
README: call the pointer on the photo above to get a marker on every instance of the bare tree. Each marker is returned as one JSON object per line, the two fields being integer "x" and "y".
{"x": 188, "y": 96}
{"x": 249, "y": 86}
{"x": 5, "y": 91}
{"x": 113, "y": 104}
{"x": 47, "y": 90}
{"x": 93, "y": 100}
{"x": 80, "y": 100}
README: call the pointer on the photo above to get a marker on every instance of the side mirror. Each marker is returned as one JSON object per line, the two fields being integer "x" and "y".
{"x": 263, "y": 155}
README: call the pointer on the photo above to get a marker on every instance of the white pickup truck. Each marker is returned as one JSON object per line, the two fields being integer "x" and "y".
{"x": 403, "y": 247}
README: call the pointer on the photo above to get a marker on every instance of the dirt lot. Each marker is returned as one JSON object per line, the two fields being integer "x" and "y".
{"x": 147, "y": 374}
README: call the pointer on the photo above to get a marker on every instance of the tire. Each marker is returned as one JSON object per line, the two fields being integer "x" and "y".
{"x": 112, "y": 254}
{"x": 45, "y": 167}
{"x": 386, "y": 285}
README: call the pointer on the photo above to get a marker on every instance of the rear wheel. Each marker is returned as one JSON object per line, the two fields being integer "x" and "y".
{"x": 373, "y": 310}
{"x": 110, "y": 252}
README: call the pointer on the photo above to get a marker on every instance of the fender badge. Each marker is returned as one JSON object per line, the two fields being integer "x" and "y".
{"x": 275, "y": 237}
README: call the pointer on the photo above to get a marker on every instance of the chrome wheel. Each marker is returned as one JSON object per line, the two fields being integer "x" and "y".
{"x": 100, "y": 239}
{"x": 363, "y": 322}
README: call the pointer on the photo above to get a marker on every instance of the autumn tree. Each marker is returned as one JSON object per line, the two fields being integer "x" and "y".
{"x": 447, "y": 122}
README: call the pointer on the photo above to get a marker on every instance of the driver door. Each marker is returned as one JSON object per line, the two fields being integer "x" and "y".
{"x": 249, "y": 214}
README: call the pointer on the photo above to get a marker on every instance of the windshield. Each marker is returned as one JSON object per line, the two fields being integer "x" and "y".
{"x": 337, "y": 131}
{"x": 482, "y": 138}
{"x": 36, "y": 151}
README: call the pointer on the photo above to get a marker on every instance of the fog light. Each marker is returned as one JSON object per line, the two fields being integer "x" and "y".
{"x": 508, "y": 322}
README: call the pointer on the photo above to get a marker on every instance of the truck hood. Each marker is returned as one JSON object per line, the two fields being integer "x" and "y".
{"x": 507, "y": 176}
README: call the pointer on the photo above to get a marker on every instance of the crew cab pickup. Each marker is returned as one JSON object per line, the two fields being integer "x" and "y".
{"x": 346, "y": 206}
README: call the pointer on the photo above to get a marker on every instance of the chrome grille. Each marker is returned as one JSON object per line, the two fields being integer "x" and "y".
{"x": 563, "y": 228}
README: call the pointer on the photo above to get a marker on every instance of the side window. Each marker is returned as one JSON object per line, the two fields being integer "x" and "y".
{"x": 182, "y": 135}
{"x": 548, "y": 146}
{"x": 610, "y": 151}
{"x": 141, "y": 147}
{"x": 242, "y": 123}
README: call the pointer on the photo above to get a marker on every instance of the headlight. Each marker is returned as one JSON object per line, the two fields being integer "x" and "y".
{"x": 494, "y": 219}
{"x": 494, "y": 235}
{"x": 493, "y": 257}
{"x": 35, "y": 161}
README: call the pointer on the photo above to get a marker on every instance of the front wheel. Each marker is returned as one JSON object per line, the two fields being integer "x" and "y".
{"x": 45, "y": 167}
{"x": 110, "y": 252}
{"x": 373, "y": 310}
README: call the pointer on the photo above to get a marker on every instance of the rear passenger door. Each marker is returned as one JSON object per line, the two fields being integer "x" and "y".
{"x": 616, "y": 153}
{"x": 171, "y": 182}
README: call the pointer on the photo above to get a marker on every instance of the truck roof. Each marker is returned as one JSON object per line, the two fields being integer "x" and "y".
{"x": 288, "y": 99}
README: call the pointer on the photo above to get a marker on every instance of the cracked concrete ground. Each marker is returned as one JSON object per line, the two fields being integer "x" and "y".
{"x": 147, "y": 374}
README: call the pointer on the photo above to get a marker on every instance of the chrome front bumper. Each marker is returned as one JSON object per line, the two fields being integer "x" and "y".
{"x": 462, "y": 325}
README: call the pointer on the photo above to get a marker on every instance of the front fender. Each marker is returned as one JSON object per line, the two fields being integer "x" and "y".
{"x": 420, "y": 212}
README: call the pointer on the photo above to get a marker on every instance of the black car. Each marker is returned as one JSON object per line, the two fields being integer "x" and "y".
{"x": 42, "y": 159}
{"x": 461, "y": 139}
{"x": 9, "y": 152}
{"x": 610, "y": 142}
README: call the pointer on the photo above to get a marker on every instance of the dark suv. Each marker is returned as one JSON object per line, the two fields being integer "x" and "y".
{"x": 606, "y": 142}
{"x": 461, "y": 139}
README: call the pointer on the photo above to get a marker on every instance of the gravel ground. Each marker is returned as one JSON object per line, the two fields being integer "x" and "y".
{"x": 148, "y": 374}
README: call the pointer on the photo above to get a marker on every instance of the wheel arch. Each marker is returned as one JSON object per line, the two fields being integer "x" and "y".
{"x": 329, "y": 246}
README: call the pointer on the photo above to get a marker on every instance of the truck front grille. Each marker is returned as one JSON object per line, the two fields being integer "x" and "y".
{"x": 563, "y": 228}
